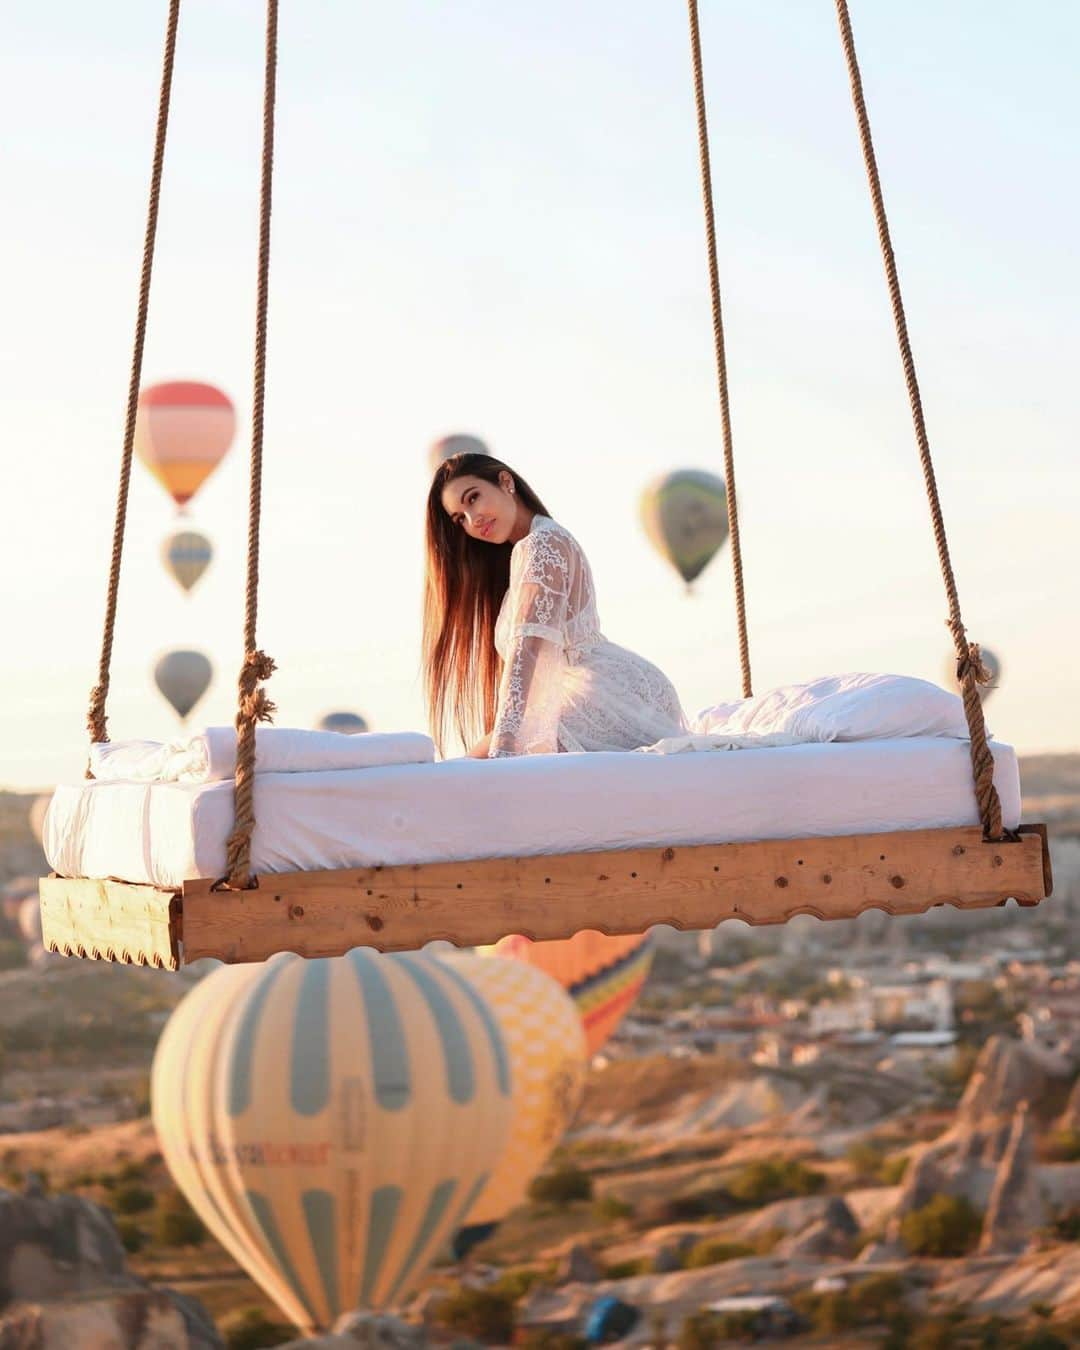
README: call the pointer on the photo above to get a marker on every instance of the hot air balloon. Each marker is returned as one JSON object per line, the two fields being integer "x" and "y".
{"x": 182, "y": 431}
{"x": 603, "y": 975}
{"x": 348, "y": 723}
{"x": 684, "y": 515}
{"x": 990, "y": 660}
{"x": 187, "y": 555}
{"x": 333, "y": 1121}
{"x": 37, "y": 814}
{"x": 455, "y": 445}
{"x": 546, "y": 1043}
{"x": 183, "y": 677}
{"x": 30, "y": 919}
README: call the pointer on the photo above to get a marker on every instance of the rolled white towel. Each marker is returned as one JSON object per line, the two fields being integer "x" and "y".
{"x": 211, "y": 755}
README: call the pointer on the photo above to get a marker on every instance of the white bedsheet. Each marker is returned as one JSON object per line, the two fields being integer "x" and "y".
{"x": 166, "y": 833}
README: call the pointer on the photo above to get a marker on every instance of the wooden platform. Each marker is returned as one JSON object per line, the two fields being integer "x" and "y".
{"x": 470, "y": 903}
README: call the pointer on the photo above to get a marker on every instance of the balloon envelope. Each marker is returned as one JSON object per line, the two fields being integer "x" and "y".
{"x": 182, "y": 430}
{"x": 546, "y": 1043}
{"x": 684, "y": 515}
{"x": 183, "y": 677}
{"x": 187, "y": 555}
{"x": 30, "y": 919}
{"x": 990, "y": 660}
{"x": 603, "y": 975}
{"x": 37, "y": 814}
{"x": 332, "y": 1121}
{"x": 458, "y": 444}
{"x": 348, "y": 723}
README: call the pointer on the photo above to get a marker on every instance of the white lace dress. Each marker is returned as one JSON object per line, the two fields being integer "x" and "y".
{"x": 564, "y": 686}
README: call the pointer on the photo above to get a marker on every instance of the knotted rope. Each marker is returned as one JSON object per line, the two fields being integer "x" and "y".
{"x": 96, "y": 722}
{"x": 718, "y": 342}
{"x": 254, "y": 706}
{"x": 969, "y": 668}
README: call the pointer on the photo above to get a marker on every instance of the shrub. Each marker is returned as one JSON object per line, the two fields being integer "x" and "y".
{"x": 1043, "y": 1339}
{"x": 707, "y": 1330}
{"x": 251, "y": 1329}
{"x": 625, "y": 1270}
{"x": 947, "y": 1225}
{"x": 173, "y": 1228}
{"x": 517, "y": 1282}
{"x": 1066, "y": 1145}
{"x": 176, "y": 1224}
{"x": 713, "y": 1251}
{"x": 865, "y": 1159}
{"x": 484, "y": 1314}
{"x": 609, "y": 1209}
{"x": 759, "y": 1183}
{"x": 892, "y": 1169}
{"x": 878, "y": 1298}
{"x": 131, "y": 1235}
{"x": 714, "y": 1203}
{"x": 544, "y": 1338}
{"x": 561, "y": 1187}
{"x": 131, "y": 1198}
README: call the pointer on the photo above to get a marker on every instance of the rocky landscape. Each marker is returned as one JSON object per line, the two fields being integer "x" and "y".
{"x": 730, "y": 1167}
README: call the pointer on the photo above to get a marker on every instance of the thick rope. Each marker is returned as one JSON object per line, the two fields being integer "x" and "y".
{"x": 718, "y": 340}
{"x": 254, "y": 706}
{"x": 969, "y": 667}
{"x": 96, "y": 722}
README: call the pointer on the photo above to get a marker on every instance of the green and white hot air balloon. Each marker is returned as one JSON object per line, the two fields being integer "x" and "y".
{"x": 334, "y": 1121}
{"x": 684, "y": 515}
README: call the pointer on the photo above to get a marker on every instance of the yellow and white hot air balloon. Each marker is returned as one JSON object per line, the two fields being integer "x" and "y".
{"x": 603, "y": 975}
{"x": 545, "y": 1040}
{"x": 333, "y": 1121}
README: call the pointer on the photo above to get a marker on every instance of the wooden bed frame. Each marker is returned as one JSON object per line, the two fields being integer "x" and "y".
{"x": 471, "y": 903}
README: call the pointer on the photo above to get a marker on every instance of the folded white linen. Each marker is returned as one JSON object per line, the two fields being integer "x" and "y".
{"x": 854, "y": 707}
{"x": 695, "y": 743}
{"x": 210, "y": 756}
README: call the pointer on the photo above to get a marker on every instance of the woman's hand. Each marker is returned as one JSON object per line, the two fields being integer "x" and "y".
{"x": 480, "y": 749}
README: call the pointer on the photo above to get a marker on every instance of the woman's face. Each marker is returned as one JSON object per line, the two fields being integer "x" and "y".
{"x": 487, "y": 511}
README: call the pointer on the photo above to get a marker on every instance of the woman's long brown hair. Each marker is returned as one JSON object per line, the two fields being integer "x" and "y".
{"x": 464, "y": 586}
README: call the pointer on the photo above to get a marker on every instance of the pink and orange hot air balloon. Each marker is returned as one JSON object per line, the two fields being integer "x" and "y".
{"x": 182, "y": 430}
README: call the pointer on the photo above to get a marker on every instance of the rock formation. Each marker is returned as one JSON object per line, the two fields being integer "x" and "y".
{"x": 1016, "y": 1206}
{"x": 64, "y": 1283}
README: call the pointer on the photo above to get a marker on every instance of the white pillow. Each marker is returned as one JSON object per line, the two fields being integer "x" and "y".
{"x": 842, "y": 708}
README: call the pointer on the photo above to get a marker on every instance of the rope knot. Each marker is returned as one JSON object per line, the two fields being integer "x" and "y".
{"x": 255, "y": 706}
{"x": 968, "y": 656}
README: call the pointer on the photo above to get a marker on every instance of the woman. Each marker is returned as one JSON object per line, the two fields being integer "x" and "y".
{"x": 512, "y": 641}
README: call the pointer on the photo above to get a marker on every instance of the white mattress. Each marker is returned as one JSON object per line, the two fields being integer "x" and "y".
{"x": 166, "y": 833}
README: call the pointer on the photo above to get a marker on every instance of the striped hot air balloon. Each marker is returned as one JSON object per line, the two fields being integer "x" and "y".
{"x": 333, "y": 1121}
{"x": 603, "y": 975}
{"x": 684, "y": 515}
{"x": 545, "y": 1040}
{"x": 187, "y": 555}
{"x": 182, "y": 430}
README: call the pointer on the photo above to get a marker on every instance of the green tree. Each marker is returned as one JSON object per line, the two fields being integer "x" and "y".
{"x": 948, "y": 1225}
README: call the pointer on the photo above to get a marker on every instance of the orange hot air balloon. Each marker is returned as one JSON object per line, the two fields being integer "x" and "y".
{"x": 182, "y": 431}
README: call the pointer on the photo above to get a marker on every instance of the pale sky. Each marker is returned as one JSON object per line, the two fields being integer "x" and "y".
{"x": 487, "y": 219}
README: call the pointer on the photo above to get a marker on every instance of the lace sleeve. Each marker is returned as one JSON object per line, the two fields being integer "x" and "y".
{"x": 527, "y": 717}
